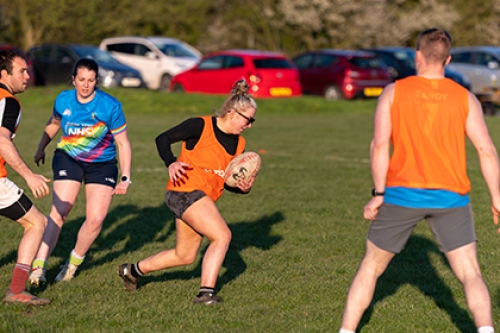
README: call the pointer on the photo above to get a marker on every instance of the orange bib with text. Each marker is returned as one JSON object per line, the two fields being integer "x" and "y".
{"x": 208, "y": 160}
{"x": 428, "y": 135}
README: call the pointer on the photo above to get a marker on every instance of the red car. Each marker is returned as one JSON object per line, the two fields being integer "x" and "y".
{"x": 31, "y": 71}
{"x": 269, "y": 74}
{"x": 342, "y": 74}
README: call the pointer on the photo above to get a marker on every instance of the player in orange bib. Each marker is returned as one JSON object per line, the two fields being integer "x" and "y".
{"x": 426, "y": 118}
{"x": 196, "y": 182}
{"x": 14, "y": 204}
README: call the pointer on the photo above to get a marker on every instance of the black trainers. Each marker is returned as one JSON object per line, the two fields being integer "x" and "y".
{"x": 24, "y": 297}
{"x": 208, "y": 299}
{"x": 125, "y": 272}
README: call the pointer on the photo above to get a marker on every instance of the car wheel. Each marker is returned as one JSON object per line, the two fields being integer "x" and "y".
{"x": 333, "y": 93}
{"x": 178, "y": 88}
{"x": 165, "y": 82}
{"x": 489, "y": 108}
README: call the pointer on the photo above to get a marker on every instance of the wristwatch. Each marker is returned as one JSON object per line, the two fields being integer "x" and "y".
{"x": 126, "y": 179}
{"x": 376, "y": 193}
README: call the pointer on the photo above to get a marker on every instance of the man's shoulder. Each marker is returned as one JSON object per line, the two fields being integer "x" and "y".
{"x": 10, "y": 104}
{"x": 5, "y": 93}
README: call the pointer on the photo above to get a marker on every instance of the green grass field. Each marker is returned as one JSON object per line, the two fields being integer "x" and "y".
{"x": 298, "y": 237}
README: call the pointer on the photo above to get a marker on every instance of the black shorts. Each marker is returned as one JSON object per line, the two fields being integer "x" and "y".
{"x": 178, "y": 202}
{"x": 67, "y": 168}
{"x": 18, "y": 209}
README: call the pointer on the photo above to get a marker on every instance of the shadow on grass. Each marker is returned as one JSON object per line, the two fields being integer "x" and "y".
{"x": 145, "y": 225}
{"x": 141, "y": 226}
{"x": 9, "y": 258}
{"x": 246, "y": 234}
{"x": 413, "y": 266}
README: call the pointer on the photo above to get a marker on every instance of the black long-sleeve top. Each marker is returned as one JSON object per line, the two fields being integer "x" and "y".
{"x": 190, "y": 131}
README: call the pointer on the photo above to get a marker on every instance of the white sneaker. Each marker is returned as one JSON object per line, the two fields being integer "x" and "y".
{"x": 37, "y": 276}
{"x": 67, "y": 272}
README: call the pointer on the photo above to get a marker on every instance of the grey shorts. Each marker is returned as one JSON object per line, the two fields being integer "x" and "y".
{"x": 452, "y": 227}
{"x": 178, "y": 202}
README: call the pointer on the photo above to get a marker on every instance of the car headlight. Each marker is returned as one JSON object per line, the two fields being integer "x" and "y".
{"x": 108, "y": 77}
{"x": 104, "y": 73}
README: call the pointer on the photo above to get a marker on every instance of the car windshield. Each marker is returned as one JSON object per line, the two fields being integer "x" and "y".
{"x": 271, "y": 63}
{"x": 496, "y": 52}
{"x": 176, "y": 50}
{"x": 406, "y": 57}
{"x": 98, "y": 55}
{"x": 365, "y": 62}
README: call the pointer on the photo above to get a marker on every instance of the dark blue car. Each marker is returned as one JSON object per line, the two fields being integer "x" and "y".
{"x": 401, "y": 63}
{"x": 53, "y": 64}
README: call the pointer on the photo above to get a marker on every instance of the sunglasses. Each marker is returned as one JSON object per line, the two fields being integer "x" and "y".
{"x": 249, "y": 120}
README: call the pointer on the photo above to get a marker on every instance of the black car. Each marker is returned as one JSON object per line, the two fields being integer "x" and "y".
{"x": 53, "y": 64}
{"x": 401, "y": 63}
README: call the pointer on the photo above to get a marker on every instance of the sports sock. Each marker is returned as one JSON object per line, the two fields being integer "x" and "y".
{"x": 136, "y": 271}
{"x": 19, "y": 278}
{"x": 40, "y": 263}
{"x": 485, "y": 329}
{"x": 206, "y": 291}
{"x": 343, "y": 330}
{"x": 75, "y": 259}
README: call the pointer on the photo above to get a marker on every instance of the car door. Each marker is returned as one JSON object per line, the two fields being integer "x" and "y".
{"x": 205, "y": 76}
{"x": 233, "y": 70}
{"x": 324, "y": 72}
{"x": 463, "y": 62}
{"x": 40, "y": 57}
{"x": 304, "y": 63}
{"x": 62, "y": 66}
{"x": 140, "y": 57}
{"x": 488, "y": 72}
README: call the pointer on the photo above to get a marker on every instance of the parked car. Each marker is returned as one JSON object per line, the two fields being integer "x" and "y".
{"x": 481, "y": 64}
{"x": 29, "y": 62}
{"x": 269, "y": 74}
{"x": 342, "y": 74}
{"x": 157, "y": 58}
{"x": 401, "y": 63}
{"x": 54, "y": 64}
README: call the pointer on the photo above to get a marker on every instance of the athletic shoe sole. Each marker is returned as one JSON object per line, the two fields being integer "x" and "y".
{"x": 129, "y": 281}
{"x": 25, "y": 297}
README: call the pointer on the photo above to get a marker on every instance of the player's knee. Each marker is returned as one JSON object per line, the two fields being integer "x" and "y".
{"x": 224, "y": 237}
{"x": 58, "y": 217}
{"x": 94, "y": 223}
{"x": 186, "y": 258}
{"x": 34, "y": 219}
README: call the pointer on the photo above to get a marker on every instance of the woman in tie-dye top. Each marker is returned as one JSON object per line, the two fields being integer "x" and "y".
{"x": 91, "y": 122}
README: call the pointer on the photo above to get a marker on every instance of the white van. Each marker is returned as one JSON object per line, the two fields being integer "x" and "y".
{"x": 158, "y": 59}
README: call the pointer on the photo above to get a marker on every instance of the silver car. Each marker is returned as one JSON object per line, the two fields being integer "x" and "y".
{"x": 481, "y": 64}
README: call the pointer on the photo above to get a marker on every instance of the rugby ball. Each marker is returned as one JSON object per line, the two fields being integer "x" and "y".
{"x": 242, "y": 167}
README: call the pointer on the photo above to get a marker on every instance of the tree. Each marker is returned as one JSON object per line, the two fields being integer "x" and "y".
{"x": 25, "y": 23}
{"x": 365, "y": 23}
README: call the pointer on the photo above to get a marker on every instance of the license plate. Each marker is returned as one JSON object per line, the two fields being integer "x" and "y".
{"x": 372, "y": 92}
{"x": 280, "y": 91}
{"x": 131, "y": 82}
